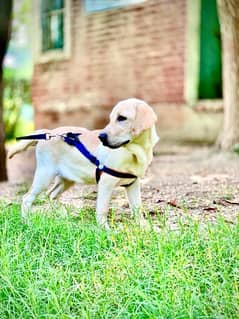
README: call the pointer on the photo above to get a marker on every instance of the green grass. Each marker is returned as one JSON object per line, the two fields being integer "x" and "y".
{"x": 65, "y": 267}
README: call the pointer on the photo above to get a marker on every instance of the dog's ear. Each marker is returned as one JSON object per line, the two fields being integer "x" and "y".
{"x": 144, "y": 119}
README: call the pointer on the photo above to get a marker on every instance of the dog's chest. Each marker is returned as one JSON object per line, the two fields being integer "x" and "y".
{"x": 76, "y": 168}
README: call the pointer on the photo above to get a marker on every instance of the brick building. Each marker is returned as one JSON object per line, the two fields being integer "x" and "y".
{"x": 89, "y": 54}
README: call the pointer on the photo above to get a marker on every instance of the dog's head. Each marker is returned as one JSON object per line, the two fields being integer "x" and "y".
{"x": 128, "y": 119}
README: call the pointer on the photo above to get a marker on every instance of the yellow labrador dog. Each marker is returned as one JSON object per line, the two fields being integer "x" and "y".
{"x": 124, "y": 145}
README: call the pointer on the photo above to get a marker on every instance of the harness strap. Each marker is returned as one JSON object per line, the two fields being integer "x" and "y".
{"x": 72, "y": 139}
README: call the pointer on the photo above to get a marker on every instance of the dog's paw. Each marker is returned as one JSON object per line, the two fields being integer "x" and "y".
{"x": 25, "y": 210}
{"x": 144, "y": 224}
{"x": 103, "y": 223}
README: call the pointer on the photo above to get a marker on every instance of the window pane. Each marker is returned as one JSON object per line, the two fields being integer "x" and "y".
{"x": 52, "y": 31}
{"x": 56, "y": 31}
{"x": 97, "y": 5}
{"x": 45, "y": 33}
{"x": 49, "y": 5}
{"x": 45, "y": 5}
{"x": 57, "y": 4}
{"x": 52, "y": 24}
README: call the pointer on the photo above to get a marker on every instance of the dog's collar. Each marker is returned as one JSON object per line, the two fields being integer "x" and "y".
{"x": 72, "y": 139}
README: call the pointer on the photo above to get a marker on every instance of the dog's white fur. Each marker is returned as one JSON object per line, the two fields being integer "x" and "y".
{"x": 57, "y": 160}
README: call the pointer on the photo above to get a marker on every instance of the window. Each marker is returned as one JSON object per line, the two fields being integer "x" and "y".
{"x": 52, "y": 23}
{"x": 52, "y": 36}
{"x": 98, "y": 5}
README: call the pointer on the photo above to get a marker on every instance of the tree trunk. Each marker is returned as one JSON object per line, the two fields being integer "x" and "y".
{"x": 3, "y": 169}
{"x": 5, "y": 27}
{"x": 229, "y": 21}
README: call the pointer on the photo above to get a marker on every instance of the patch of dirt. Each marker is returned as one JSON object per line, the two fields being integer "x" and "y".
{"x": 185, "y": 182}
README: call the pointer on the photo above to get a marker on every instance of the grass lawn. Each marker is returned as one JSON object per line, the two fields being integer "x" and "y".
{"x": 67, "y": 267}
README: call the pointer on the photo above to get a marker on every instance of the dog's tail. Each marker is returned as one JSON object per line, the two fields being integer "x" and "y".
{"x": 24, "y": 144}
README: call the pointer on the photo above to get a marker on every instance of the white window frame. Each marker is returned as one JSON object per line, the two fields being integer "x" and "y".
{"x": 54, "y": 54}
{"x": 192, "y": 62}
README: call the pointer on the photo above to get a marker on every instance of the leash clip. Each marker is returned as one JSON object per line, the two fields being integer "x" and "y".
{"x": 50, "y": 136}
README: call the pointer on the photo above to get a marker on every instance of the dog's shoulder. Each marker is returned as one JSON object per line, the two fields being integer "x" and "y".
{"x": 90, "y": 139}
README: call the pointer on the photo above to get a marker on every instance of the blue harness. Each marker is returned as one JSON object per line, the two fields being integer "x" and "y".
{"x": 72, "y": 139}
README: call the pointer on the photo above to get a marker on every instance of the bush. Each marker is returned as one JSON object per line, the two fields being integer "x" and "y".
{"x": 16, "y": 94}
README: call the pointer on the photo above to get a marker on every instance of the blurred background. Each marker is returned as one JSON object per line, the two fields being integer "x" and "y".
{"x": 70, "y": 61}
{"x": 17, "y": 74}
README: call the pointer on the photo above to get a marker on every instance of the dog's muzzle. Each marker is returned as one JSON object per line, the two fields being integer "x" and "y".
{"x": 104, "y": 139}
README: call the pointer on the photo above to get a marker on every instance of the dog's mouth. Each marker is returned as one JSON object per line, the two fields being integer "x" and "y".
{"x": 105, "y": 143}
{"x": 103, "y": 136}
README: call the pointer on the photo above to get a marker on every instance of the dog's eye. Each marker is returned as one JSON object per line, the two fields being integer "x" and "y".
{"x": 121, "y": 118}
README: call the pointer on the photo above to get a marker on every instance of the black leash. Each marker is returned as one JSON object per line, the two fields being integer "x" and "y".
{"x": 44, "y": 136}
{"x": 72, "y": 139}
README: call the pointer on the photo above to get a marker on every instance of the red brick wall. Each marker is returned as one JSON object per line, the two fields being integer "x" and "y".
{"x": 134, "y": 51}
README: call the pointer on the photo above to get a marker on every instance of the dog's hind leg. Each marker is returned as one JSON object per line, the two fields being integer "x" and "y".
{"x": 60, "y": 185}
{"x": 56, "y": 184}
{"x": 42, "y": 178}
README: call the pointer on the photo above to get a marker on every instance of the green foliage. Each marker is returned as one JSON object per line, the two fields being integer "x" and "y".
{"x": 16, "y": 93}
{"x": 235, "y": 148}
{"x": 21, "y": 16}
{"x": 17, "y": 77}
{"x": 64, "y": 267}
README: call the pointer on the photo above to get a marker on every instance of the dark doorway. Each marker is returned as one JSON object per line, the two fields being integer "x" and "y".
{"x": 210, "y": 81}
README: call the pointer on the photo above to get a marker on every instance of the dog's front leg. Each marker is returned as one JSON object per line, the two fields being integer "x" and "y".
{"x": 134, "y": 197}
{"x": 105, "y": 188}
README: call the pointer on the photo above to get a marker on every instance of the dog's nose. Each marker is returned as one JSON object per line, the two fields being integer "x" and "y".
{"x": 103, "y": 137}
